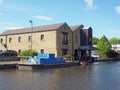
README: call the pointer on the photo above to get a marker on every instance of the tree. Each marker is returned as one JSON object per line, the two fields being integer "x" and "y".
{"x": 104, "y": 47}
{"x": 114, "y": 40}
{"x": 95, "y": 40}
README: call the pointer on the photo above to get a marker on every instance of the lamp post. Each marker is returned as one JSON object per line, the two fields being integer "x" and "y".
{"x": 31, "y": 33}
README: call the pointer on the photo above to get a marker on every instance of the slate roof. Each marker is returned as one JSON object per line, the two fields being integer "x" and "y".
{"x": 35, "y": 29}
{"x": 73, "y": 28}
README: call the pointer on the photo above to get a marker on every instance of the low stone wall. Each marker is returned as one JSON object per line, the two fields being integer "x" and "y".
{"x": 106, "y": 59}
{"x": 8, "y": 66}
{"x": 10, "y": 58}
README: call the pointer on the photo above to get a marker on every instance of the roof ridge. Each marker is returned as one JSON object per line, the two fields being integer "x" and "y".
{"x": 38, "y": 26}
{"x": 35, "y": 29}
{"x": 73, "y": 28}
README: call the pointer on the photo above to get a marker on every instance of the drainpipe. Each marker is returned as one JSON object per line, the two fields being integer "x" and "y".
{"x": 6, "y": 46}
{"x": 72, "y": 45}
{"x": 31, "y": 33}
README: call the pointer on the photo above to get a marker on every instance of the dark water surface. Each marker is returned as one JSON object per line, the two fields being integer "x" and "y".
{"x": 97, "y": 76}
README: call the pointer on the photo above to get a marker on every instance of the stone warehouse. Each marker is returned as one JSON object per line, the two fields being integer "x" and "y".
{"x": 60, "y": 39}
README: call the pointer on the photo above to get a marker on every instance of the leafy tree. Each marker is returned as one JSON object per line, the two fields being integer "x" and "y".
{"x": 28, "y": 53}
{"x": 95, "y": 40}
{"x": 114, "y": 40}
{"x": 104, "y": 47}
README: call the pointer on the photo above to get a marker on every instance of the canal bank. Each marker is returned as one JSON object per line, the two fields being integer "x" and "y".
{"x": 25, "y": 66}
{"x": 9, "y": 64}
{"x": 106, "y": 59}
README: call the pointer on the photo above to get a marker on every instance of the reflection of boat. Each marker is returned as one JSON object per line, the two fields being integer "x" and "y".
{"x": 83, "y": 63}
{"x": 22, "y": 66}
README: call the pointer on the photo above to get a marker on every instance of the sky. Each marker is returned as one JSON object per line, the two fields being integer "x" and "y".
{"x": 102, "y": 15}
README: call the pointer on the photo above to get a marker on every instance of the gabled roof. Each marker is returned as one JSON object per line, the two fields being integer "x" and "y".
{"x": 86, "y": 27}
{"x": 73, "y": 28}
{"x": 35, "y": 29}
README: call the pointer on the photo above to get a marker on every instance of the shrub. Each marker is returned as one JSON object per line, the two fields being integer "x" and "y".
{"x": 28, "y": 53}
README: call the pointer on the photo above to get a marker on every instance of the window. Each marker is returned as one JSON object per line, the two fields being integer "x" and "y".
{"x": 76, "y": 38}
{"x": 29, "y": 38}
{"x": 42, "y": 50}
{"x": 19, "y": 39}
{"x": 64, "y": 52}
{"x": 90, "y": 39}
{"x": 10, "y": 40}
{"x": 19, "y": 52}
{"x": 42, "y": 37}
{"x": 1, "y": 40}
{"x": 64, "y": 38}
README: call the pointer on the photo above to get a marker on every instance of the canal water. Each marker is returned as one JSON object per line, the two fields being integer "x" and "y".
{"x": 97, "y": 76}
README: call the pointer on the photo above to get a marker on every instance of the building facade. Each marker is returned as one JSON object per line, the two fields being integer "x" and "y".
{"x": 60, "y": 39}
{"x": 82, "y": 38}
{"x": 116, "y": 48}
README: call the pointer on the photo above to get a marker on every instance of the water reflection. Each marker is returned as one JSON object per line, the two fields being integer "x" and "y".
{"x": 97, "y": 76}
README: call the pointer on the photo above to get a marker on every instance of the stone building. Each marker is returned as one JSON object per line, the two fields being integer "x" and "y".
{"x": 82, "y": 38}
{"x": 60, "y": 39}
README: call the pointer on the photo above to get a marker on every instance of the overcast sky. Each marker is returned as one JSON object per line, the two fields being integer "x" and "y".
{"x": 102, "y": 15}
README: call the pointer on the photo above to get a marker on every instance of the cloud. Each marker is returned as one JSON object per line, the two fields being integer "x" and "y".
{"x": 90, "y": 4}
{"x": 118, "y": 9}
{"x": 43, "y": 18}
{"x": 1, "y": 1}
{"x": 115, "y": 31}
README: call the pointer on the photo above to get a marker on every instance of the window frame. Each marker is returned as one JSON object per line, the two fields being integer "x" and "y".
{"x": 10, "y": 39}
{"x": 65, "y": 38}
{"x": 19, "y": 39}
{"x": 1, "y": 40}
{"x": 42, "y": 37}
{"x": 64, "y": 52}
{"x": 29, "y": 38}
{"x": 42, "y": 50}
{"x": 76, "y": 38}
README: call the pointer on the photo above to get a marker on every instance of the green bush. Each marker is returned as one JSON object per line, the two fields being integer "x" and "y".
{"x": 28, "y": 53}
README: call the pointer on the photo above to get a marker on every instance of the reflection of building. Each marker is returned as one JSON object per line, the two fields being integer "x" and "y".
{"x": 59, "y": 39}
{"x": 116, "y": 47}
